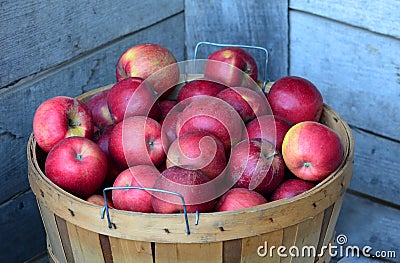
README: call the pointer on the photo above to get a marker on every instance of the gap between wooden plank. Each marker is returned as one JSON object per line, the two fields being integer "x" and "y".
{"x": 34, "y": 76}
{"x": 373, "y": 199}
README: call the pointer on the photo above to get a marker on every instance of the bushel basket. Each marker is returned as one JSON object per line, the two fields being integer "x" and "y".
{"x": 77, "y": 233}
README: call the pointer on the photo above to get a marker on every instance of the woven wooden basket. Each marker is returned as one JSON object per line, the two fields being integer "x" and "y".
{"x": 76, "y": 232}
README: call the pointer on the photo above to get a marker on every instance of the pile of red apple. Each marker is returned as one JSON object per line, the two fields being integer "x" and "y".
{"x": 221, "y": 144}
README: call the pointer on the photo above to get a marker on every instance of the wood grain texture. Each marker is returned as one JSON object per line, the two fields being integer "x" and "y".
{"x": 376, "y": 166}
{"x": 130, "y": 251}
{"x": 85, "y": 244}
{"x": 52, "y": 233}
{"x": 307, "y": 237}
{"x": 261, "y": 248}
{"x": 75, "y": 78}
{"x": 13, "y": 164}
{"x": 241, "y": 22}
{"x": 22, "y": 232}
{"x": 357, "y": 71}
{"x": 207, "y": 252}
{"x": 37, "y": 35}
{"x": 367, "y": 223}
{"x": 377, "y": 16}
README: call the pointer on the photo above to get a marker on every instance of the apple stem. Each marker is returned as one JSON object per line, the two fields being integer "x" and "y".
{"x": 72, "y": 123}
{"x": 79, "y": 156}
{"x": 307, "y": 164}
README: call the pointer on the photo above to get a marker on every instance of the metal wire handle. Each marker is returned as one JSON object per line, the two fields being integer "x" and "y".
{"x": 240, "y": 46}
{"x": 105, "y": 210}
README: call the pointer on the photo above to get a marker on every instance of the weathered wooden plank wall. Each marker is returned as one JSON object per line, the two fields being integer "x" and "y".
{"x": 350, "y": 50}
{"x": 60, "y": 48}
{"x": 251, "y": 22}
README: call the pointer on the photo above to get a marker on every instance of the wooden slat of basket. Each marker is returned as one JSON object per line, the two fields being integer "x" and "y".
{"x": 232, "y": 250}
{"x": 52, "y": 232}
{"x": 308, "y": 232}
{"x": 124, "y": 250}
{"x": 289, "y": 240}
{"x": 197, "y": 252}
{"x": 250, "y": 246}
{"x": 333, "y": 219}
{"x": 85, "y": 244}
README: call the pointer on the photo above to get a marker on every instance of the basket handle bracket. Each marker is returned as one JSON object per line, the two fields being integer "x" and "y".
{"x": 105, "y": 211}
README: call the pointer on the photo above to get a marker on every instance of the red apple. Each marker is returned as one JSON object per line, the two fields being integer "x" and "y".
{"x": 77, "y": 165}
{"x": 211, "y": 115}
{"x": 166, "y": 106}
{"x": 98, "y": 199}
{"x": 199, "y": 87}
{"x": 98, "y": 105}
{"x": 132, "y": 97}
{"x": 113, "y": 167}
{"x": 312, "y": 150}
{"x": 138, "y": 140}
{"x": 295, "y": 99}
{"x": 239, "y": 198}
{"x": 200, "y": 150}
{"x": 290, "y": 188}
{"x": 61, "y": 117}
{"x": 232, "y": 66}
{"x": 270, "y": 127}
{"x": 144, "y": 60}
{"x": 168, "y": 124}
{"x": 136, "y": 200}
{"x": 192, "y": 184}
{"x": 256, "y": 164}
{"x": 248, "y": 103}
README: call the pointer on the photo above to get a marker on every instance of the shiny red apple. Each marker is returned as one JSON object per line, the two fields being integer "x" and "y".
{"x": 312, "y": 150}
{"x": 77, "y": 165}
{"x": 200, "y": 150}
{"x": 239, "y": 198}
{"x": 214, "y": 116}
{"x": 295, "y": 99}
{"x": 132, "y": 97}
{"x": 191, "y": 184}
{"x": 114, "y": 168}
{"x": 270, "y": 127}
{"x": 61, "y": 117}
{"x": 247, "y": 102}
{"x": 199, "y": 87}
{"x": 255, "y": 164}
{"x": 149, "y": 61}
{"x": 232, "y": 66}
{"x": 136, "y": 200}
{"x": 138, "y": 140}
{"x": 98, "y": 105}
{"x": 290, "y": 188}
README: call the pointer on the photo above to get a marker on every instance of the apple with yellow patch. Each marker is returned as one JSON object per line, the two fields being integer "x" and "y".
{"x": 144, "y": 60}
{"x": 312, "y": 150}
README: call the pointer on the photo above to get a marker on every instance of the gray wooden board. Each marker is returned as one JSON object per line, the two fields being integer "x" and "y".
{"x": 377, "y": 16}
{"x": 87, "y": 73}
{"x": 358, "y": 72}
{"x": 36, "y": 35}
{"x": 366, "y": 223}
{"x": 21, "y": 228}
{"x": 259, "y": 23}
{"x": 376, "y": 166}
